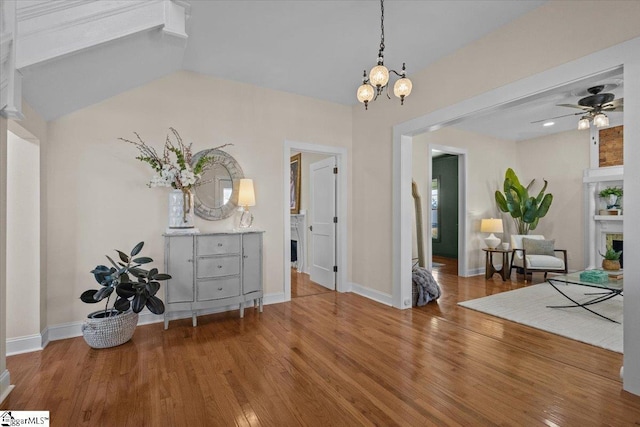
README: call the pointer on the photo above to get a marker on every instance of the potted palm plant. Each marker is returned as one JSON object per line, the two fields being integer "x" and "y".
{"x": 525, "y": 210}
{"x": 114, "y": 325}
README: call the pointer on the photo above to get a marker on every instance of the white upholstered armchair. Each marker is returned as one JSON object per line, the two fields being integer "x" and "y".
{"x": 532, "y": 253}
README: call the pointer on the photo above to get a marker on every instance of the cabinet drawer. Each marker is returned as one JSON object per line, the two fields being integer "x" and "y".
{"x": 218, "y": 266}
{"x": 218, "y": 245}
{"x": 218, "y": 288}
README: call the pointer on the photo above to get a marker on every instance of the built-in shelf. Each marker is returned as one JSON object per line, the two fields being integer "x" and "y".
{"x": 598, "y": 227}
{"x": 608, "y": 217}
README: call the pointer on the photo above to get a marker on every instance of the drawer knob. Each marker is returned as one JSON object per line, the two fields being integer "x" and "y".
{"x": 219, "y": 289}
{"x": 245, "y": 256}
{"x": 219, "y": 266}
{"x": 220, "y": 244}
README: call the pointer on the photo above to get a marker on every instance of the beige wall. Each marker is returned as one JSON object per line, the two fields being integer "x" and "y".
{"x": 98, "y": 199}
{"x": 487, "y": 159}
{"x": 561, "y": 160}
{"x": 538, "y": 41}
{"x": 33, "y": 128}
{"x": 23, "y": 236}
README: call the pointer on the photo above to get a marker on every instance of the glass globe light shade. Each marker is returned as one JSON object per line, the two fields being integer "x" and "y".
{"x": 601, "y": 120}
{"x": 365, "y": 93}
{"x": 583, "y": 123}
{"x": 402, "y": 87}
{"x": 379, "y": 76}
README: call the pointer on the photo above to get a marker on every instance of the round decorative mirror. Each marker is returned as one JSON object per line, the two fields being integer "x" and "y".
{"x": 216, "y": 193}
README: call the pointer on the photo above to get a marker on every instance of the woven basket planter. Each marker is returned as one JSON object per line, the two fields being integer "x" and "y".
{"x": 105, "y": 332}
{"x": 610, "y": 264}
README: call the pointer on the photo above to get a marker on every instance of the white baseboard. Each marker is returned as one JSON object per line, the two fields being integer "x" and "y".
{"x": 73, "y": 329}
{"x": 475, "y": 272}
{"x": 24, "y": 344}
{"x": 377, "y": 296}
{"x": 5, "y": 385}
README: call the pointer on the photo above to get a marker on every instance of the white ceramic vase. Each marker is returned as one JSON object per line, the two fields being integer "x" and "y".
{"x": 180, "y": 209}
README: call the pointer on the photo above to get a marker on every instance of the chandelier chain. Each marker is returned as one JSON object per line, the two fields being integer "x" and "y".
{"x": 381, "y": 29}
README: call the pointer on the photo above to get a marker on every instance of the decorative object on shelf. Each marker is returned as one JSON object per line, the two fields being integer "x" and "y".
{"x": 180, "y": 174}
{"x": 294, "y": 182}
{"x": 612, "y": 196}
{"x": 611, "y": 261}
{"x": 378, "y": 78}
{"x": 114, "y": 326}
{"x": 246, "y": 198}
{"x": 525, "y": 210}
{"x": 491, "y": 225}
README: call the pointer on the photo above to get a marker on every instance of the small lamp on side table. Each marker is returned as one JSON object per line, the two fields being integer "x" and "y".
{"x": 246, "y": 198}
{"x": 491, "y": 225}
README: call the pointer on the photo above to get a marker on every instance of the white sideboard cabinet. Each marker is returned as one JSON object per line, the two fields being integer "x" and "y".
{"x": 212, "y": 270}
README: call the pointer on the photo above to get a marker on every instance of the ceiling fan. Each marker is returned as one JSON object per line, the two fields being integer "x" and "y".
{"x": 593, "y": 108}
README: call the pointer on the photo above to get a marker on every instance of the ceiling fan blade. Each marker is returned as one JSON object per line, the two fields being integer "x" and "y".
{"x": 557, "y": 117}
{"x": 582, "y": 107}
{"x": 614, "y": 105}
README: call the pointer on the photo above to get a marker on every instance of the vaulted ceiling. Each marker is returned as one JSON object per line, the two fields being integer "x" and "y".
{"x": 313, "y": 48}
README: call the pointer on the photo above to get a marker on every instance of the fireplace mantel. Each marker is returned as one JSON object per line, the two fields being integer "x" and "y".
{"x": 597, "y": 226}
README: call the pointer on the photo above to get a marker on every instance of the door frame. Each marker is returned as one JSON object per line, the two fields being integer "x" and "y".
{"x": 461, "y": 154}
{"x": 341, "y": 207}
{"x": 526, "y": 89}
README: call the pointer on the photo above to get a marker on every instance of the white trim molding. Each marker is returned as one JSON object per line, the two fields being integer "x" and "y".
{"x": 10, "y": 78}
{"x": 5, "y": 385}
{"x": 372, "y": 294}
{"x": 25, "y": 344}
{"x": 48, "y": 30}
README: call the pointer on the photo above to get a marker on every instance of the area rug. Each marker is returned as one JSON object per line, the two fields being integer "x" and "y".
{"x": 528, "y": 306}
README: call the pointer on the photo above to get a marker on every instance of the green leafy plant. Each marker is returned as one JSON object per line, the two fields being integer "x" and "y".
{"x": 610, "y": 254}
{"x": 609, "y": 191}
{"x": 129, "y": 294}
{"x": 525, "y": 210}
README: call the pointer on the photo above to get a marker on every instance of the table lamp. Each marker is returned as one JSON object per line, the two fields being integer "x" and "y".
{"x": 491, "y": 225}
{"x": 246, "y": 198}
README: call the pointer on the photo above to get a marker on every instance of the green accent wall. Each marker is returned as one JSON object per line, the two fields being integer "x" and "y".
{"x": 446, "y": 169}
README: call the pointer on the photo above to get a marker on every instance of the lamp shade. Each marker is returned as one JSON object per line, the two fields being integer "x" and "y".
{"x": 379, "y": 76}
{"x": 492, "y": 225}
{"x": 365, "y": 92}
{"x": 246, "y": 195}
{"x": 583, "y": 123}
{"x": 601, "y": 120}
{"x": 402, "y": 88}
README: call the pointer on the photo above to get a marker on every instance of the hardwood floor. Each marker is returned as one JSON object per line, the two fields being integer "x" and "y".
{"x": 331, "y": 359}
{"x": 302, "y": 286}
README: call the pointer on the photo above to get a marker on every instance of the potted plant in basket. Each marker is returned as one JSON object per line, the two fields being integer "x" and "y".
{"x": 115, "y": 325}
{"x": 611, "y": 259}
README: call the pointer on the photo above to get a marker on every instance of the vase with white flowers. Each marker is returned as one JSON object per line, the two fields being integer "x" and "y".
{"x": 174, "y": 169}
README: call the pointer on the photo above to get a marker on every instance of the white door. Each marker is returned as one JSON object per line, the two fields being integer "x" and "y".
{"x": 322, "y": 192}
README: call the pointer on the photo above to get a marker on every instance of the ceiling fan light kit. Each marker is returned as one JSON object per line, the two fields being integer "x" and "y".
{"x": 593, "y": 108}
{"x": 378, "y": 79}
